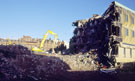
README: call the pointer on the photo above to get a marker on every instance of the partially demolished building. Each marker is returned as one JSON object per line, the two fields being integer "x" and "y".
{"x": 111, "y": 35}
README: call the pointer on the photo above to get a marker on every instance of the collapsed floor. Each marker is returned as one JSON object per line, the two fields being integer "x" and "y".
{"x": 99, "y": 33}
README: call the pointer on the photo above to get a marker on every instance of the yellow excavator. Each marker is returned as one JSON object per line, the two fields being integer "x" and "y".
{"x": 40, "y": 49}
{"x": 9, "y": 41}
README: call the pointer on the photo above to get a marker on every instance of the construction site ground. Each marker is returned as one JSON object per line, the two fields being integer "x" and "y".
{"x": 88, "y": 73}
{"x": 17, "y": 63}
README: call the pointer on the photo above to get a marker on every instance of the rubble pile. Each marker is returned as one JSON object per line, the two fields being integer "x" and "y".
{"x": 17, "y": 63}
{"x": 99, "y": 33}
{"x": 79, "y": 62}
{"x": 61, "y": 49}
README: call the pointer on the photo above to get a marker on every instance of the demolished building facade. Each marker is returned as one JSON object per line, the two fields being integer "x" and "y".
{"x": 111, "y": 35}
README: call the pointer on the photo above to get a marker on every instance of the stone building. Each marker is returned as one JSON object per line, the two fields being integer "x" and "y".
{"x": 30, "y": 42}
{"x": 111, "y": 35}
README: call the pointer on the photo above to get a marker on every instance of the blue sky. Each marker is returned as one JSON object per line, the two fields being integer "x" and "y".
{"x": 35, "y": 17}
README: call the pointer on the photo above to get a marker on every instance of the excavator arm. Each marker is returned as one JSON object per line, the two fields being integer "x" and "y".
{"x": 45, "y": 36}
{"x": 43, "y": 41}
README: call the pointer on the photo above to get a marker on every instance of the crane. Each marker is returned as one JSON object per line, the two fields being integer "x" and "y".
{"x": 40, "y": 49}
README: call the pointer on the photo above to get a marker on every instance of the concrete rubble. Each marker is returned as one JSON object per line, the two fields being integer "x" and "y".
{"x": 17, "y": 63}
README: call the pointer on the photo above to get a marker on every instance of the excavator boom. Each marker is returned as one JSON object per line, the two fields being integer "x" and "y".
{"x": 43, "y": 41}
{"x": 45, "y": 36}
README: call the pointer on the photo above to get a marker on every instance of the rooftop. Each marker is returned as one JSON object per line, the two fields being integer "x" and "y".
{"x": 118, "y": 4}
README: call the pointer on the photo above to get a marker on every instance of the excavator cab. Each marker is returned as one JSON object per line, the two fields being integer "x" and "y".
{"x": 40, "y": 49}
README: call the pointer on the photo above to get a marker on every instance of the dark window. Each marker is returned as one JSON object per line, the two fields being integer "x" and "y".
{"x": 130, "y": 53}
{"x": 133, "y": 34}
{"x": 126, "y": 32}
{"x": 132, "y": 20}
{"x": 115, "y": 30}
{"x": 115, "y": 50}
{"x": 126, "y": 18}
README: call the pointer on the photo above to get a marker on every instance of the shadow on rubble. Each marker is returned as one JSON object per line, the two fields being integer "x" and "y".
{"x": 91, "y": 76}
{"x": 125, "y": 73}
{"x": 127, "y": 67}
{"x": 62, "y": 49}
{"x": 17, "y": 63}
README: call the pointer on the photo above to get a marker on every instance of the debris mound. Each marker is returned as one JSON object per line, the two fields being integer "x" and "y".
{"x": 17, "y": 63}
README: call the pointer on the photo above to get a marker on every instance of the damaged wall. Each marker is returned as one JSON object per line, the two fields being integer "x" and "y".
{"x": 106, "y": 34}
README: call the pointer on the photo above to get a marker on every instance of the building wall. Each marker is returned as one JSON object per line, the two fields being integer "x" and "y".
{"x": 128, "y": 26}
{"x": 119, "y": 24}
{"x": 126, "y": 54}
{"x": 126, "y": 48}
